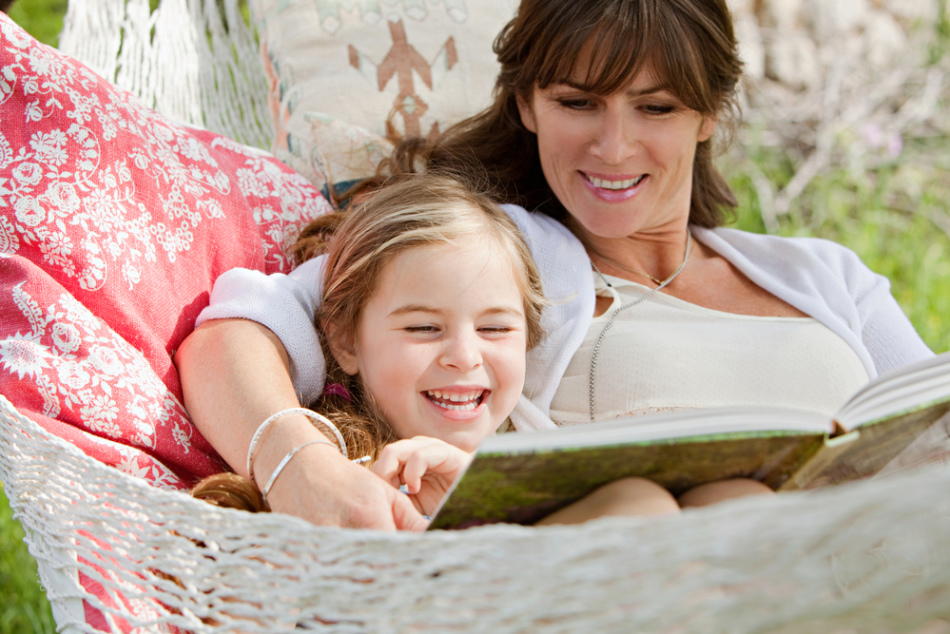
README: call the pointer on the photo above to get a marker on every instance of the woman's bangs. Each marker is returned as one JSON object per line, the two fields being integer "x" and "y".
{"x": 605, "y": 54}
{"x": 601, "y": 56}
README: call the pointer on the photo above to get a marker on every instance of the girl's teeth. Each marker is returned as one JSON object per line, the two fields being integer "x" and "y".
{"x": 455, "y": 401}
{"x": 458, "y": 408}
{"x": 615, "y": 185}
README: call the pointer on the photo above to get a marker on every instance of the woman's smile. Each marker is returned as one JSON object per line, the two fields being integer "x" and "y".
{"x": 614, "y": 189}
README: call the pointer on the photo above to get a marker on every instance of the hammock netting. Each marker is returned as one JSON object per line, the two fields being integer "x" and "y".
{"x": 195, "y": 61}
{"x": 866, "y": 557}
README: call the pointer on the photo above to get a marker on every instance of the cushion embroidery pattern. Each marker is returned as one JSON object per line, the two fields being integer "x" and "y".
{"x": 114, "y": 224}
{"x": 423, "y": 64}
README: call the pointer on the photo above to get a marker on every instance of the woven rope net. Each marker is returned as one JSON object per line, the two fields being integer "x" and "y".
{"x": 195, "y": 61}
{"x": 868, "y": 557}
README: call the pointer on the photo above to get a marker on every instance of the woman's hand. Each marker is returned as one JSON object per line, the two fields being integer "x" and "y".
{"x": 427, "y": 466}
{"x": 235, "y": 375}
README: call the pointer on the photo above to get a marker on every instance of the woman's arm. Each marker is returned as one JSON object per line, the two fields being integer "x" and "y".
{"x": 234, "y": 375}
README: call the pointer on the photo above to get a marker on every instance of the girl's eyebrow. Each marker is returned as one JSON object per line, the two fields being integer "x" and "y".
{"x": 420, "y": 308}
{"x": 413, "y": 308}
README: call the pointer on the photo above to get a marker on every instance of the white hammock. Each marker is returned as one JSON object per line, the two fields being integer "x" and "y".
{"x": 868, "y": 557}
{"x": 195, "y": 61}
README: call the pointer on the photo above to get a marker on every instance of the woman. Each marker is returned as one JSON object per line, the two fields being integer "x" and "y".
{"x": 603, "y": 123}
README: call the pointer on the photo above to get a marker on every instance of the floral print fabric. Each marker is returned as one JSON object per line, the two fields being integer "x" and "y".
{"x": 114, "y": 224}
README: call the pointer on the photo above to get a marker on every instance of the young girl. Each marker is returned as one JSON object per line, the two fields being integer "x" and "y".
{"x": 430, "y": 302}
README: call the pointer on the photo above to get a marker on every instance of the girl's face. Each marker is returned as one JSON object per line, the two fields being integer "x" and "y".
{"x": 619, "y": 164}
{"x": 441, "y": 344}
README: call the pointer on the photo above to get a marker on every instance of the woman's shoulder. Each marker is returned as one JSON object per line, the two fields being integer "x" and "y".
{"x": 547, "y": 238}
{"x": 536, "y": 223}
{"x": 782, "y": 251}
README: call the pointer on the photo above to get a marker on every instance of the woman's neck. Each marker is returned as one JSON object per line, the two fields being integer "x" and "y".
{"x": 642, "y": 257}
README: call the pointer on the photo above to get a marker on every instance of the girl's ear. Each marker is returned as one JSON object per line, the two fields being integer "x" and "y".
{"x": 343, "y": 350}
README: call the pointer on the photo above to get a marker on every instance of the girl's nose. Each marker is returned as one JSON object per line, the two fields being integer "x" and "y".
{"x": 461, "y": 353}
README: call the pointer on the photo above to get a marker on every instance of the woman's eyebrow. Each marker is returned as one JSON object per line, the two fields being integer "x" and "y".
{"x": 649, "y": 90}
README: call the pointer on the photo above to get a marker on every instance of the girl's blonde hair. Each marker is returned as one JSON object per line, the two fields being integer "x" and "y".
{"x": 408, "y": 211}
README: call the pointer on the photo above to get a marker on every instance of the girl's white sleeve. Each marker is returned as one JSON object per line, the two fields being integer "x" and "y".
{"x": 284, "y": 304}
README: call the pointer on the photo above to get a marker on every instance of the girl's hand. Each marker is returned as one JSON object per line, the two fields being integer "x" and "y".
{"x": 427, "y": 466}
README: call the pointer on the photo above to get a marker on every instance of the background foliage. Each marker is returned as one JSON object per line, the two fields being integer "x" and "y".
{"x": 889, "y": 204}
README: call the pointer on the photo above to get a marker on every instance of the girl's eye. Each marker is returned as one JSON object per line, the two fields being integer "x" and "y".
{"x": 495, "y": 330}
{"x": 425, "y": 328}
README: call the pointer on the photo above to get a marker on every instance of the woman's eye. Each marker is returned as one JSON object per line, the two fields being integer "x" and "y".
{"x": 658, "y": 109}
{"x": 577, "y": 103}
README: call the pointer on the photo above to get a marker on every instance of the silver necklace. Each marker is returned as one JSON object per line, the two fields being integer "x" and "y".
{"x": 642, "y": 298}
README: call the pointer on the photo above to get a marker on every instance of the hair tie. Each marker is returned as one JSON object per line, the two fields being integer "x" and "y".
{"x": 337, "y": 389}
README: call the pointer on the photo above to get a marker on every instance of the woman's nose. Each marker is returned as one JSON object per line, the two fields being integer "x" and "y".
{"x": 462, "y": 353}
{"x": 615, "y": 138}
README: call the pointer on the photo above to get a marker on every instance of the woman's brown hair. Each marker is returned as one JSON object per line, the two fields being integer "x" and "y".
{"x": 689, "y": 44}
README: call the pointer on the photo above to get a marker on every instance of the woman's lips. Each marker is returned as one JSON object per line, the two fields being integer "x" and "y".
{"x": 614, "y": 189}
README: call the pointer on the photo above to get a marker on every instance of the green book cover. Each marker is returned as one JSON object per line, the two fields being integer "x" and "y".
{"x": 522, "y": 477}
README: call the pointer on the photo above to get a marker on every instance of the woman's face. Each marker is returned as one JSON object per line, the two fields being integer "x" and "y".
{"x": 620, "y": 164}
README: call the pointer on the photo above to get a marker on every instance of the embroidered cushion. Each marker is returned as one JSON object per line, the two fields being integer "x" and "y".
{"x": 114, "y": 223}
{"x": 428, "y": 63}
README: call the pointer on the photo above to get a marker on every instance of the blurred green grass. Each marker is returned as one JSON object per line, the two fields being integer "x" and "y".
{"x": 43, "y": 19}
{"x": 23, "y": 604}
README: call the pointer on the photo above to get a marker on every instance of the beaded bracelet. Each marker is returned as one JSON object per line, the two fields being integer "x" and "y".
{"x": 283, "y": 463}
{"x": 317, "y": 419}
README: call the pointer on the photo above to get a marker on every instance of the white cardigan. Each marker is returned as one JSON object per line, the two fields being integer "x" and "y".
{"x": 820, "y": 278}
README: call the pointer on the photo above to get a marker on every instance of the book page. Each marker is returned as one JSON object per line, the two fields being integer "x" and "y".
{"x": 912, "y": 387}
{"x": 873, "y": 447}
{"x": 652, "y": 427}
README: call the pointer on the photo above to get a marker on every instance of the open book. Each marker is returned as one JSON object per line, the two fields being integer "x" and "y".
{"x": 522, "y": 477}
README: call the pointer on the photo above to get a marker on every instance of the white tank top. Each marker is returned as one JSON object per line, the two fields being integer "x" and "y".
{"x": 666, "y": 354}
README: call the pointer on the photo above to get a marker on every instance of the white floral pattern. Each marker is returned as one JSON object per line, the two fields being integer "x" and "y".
{"x": 96, "y": 375}
{"x": 114, "y": 223}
